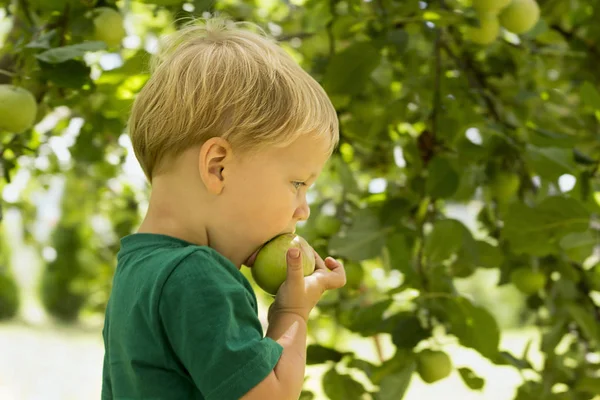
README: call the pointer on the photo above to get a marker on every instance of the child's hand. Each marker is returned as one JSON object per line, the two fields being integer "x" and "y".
{"x": 300, "y": 294}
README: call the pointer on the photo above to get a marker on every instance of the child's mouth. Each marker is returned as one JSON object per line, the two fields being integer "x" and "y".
{"x": 250, "y": 261}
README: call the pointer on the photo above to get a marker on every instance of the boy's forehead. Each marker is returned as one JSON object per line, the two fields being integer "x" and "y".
{"x": 306, "y": 152}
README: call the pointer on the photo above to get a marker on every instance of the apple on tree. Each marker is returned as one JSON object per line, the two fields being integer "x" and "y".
{"x": 505, "y": 185}
{"x": 269, "y": 268}
{"x": 520, "y": 16}
{"x": 108, "y": 26}
{"x": 18, "y": 108}
{"x": 433, "y": 365}
{"x": 488, "y": 30}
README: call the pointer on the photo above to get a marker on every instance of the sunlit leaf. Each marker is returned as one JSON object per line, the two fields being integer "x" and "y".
{"x": 341, "y": 386}
{"x": 62, "y": 54}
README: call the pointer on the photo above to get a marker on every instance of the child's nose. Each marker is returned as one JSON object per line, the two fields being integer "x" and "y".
{"x": 302, "y": 212}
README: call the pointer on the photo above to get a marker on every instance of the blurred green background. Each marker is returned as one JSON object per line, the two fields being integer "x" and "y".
{"x": 463, "y": 198}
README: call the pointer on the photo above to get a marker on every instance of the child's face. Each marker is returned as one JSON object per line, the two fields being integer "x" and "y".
{"x": 265, "y": 195}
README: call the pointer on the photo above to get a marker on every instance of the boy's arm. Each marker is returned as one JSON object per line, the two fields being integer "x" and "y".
{"x": 295, "y": 299}
{"x": 287, "y": 379}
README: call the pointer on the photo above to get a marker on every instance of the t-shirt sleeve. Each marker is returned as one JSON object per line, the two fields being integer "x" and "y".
{"x": 211, "y": 323}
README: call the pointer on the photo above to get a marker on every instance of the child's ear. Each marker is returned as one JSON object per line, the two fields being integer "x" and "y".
{"x": 214, "y": 157}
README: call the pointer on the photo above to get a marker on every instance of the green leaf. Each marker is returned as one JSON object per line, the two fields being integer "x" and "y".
{"x": 363, "y": 240}
{"x": 403, "y": 360}
{"x": 479, "y": 330}
{"x": 393, "y": 386}
{"x": 552, "y": 338}
{"x": 406, "y": 330}
{"x": 505, "y": 358}
{"x": 363, "y": 365}
{"x": 473, "y": 325}
{"x": 399, "y": 39}
{"x": 399, "y": 254}
{"x": 42, "y": 41}
{"x": 471, "y": 379}
{"x": 442, "y": 180}
{"x": 488, "y": 256}
{"x": 586, "y": 321}
{"x": 349, "y": 71}
{"x": 306, "y": 395}
{"x": 72, "y": 74}
{"x": 588, "y": 384}
{"x": 366, "y": 321}
{"x": 445, "y": 239}
{"x": 341, "y": 387}
{"x": 317, "y": 354}
{"x": 345, "y": 175}
{"x": 550, "y": 162}
{"x": 579, "y": 245}
{"x": 589, "y": 95}
{"x": 62, "y": 54}
{"x": 536, "y": 230}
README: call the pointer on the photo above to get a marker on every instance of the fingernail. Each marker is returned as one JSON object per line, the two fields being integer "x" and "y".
{"x": 294, "y": 253}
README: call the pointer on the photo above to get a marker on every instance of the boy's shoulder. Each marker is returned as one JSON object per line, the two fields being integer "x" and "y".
{"x": 159, "y": 259}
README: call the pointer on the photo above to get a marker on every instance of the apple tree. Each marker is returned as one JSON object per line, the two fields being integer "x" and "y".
{"x": 470, "y": 147}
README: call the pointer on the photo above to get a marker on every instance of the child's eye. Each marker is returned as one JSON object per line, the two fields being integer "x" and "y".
{"x": 298, "y": 185}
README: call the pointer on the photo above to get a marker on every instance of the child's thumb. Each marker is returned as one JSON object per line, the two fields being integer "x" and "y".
{"x": 294, "y": 265}
{"x": 290, "y": 334}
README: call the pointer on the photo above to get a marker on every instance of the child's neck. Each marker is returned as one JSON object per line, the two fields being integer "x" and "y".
{"x": 175, "y": 213}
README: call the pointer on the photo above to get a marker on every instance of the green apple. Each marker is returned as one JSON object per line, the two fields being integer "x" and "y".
{"x": 505, "y": 185}
{"x": 527, "y": 280}
{"x": 108, "y": 26}
{"x": 327, "y": 225}
{"x": 487, "y": 32}
{"x": 433, "y": 365}
{"x": 490, "y": 5}
{"x": 18, "y": 108}
{"x": 520, "y": 16}
{"x": 270, "y": 266}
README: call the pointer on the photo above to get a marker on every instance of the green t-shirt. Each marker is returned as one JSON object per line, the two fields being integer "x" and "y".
{"x": 181, "y": 323}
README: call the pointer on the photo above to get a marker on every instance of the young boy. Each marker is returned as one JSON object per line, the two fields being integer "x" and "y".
{"x": 230, "y": 132}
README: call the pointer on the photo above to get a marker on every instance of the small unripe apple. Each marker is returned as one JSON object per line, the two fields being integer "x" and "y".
{"x": 527, "y": 280}
{"x": 18, "y": 108}
{"x": 433, "y": 365}
{"x": 520, "y": 16}
{"x": 487, "y": 31}
{"x": 270, "y": 266}
{"x": 108, "y": 26}
{"x": 505, "y": 185}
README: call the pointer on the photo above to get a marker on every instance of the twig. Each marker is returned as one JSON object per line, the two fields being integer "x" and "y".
{"x": 7, "y": 73}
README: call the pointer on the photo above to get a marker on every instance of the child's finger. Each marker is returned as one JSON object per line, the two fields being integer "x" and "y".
{"x": 319, "y": 263}
{"x": 295, "y": 275}
{"x": 336, "y": 278}
{"x": 332, "y": 263}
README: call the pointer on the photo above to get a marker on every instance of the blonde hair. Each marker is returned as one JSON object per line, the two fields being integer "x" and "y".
{"x": 213, "y": 78}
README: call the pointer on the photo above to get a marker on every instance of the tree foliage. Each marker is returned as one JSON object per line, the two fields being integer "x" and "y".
{"x": 431, "y": 120}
